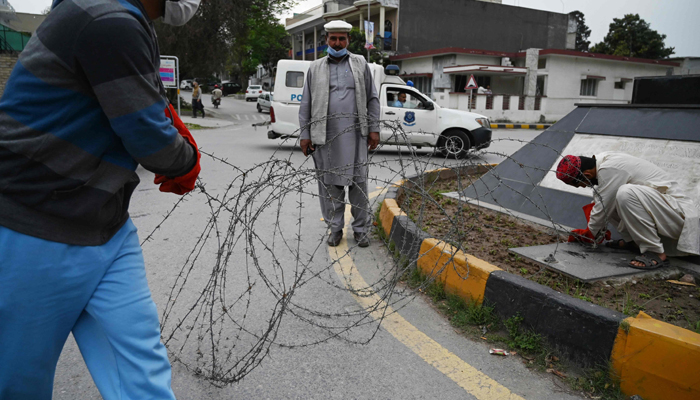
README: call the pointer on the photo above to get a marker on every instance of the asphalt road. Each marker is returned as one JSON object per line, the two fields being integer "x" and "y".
{"x": 387, "y": 367}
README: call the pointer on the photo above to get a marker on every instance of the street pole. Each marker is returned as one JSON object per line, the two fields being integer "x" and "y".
{"x": 470, "y": 99}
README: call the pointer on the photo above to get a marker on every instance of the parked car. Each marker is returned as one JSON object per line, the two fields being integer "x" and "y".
{"x": 252, "y": 93}
{"x": 230, "y": 88}
{"x": 264, "y": 101}
{"x": 186, "y": 84}
{"x": 423, "y": 121}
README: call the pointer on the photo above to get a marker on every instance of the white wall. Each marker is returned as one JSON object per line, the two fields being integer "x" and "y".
{"x": 467, "y": 59}
{"x": 417, "y": 66}
{"x": 564, "y": 77}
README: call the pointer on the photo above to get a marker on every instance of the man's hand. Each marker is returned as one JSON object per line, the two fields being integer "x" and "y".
{"x": 373, "y": 140}
{"x": 306, "y": 146}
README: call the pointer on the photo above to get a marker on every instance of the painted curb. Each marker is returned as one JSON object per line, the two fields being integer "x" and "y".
{"x": 583, "y": 331}
{"x": 652, "y": 358}
{"x": 657, "y": 360}
{"x": 521, "y": 126}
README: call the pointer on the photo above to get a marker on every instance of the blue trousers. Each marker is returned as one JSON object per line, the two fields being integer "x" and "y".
{"x": 100, "y": 294}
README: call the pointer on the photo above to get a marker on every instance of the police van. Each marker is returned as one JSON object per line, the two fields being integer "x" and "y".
{"x": 424, "y": 122}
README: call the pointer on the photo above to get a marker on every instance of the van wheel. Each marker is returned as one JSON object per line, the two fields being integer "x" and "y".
{"x": 454, "y": 143}
{"x": 259, "y": 109}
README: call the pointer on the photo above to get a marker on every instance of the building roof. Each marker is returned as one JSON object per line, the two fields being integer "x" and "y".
{"x": 22, "y": 22}
{"x": 544, "y": 52}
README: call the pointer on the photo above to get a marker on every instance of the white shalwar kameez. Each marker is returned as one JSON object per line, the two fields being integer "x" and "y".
{"x": 647, "y": 205}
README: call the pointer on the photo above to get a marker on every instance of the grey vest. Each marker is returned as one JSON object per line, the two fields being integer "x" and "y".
{"x": 320, "y": 72}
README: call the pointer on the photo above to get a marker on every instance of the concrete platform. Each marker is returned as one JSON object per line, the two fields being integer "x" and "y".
{"x": 206, "y": 122}
{"x": 587, "y": 264}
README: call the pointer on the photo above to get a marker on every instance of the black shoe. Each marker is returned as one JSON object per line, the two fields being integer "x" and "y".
{"x": 361, "y": 239}
{"x": 334, "y": 238}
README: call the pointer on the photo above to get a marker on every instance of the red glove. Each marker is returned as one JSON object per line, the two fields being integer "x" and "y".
{"x": 585, "y": 235}
{"x": 185, "y": 183}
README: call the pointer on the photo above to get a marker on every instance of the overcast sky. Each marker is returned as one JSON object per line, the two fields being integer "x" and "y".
{"x": 678, "y": 19}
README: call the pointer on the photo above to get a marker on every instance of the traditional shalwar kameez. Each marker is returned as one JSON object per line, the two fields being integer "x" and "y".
{"x": 342, "y": 160}
{"x": 647, "y": 205}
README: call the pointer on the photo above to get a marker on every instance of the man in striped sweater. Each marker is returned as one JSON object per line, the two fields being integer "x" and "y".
{"x": 83, "y": 107}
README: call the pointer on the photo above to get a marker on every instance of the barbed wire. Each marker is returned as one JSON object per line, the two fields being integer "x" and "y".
{"x": 257, "y": 267}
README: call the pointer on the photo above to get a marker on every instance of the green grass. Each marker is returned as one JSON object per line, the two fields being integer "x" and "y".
{"x": 193, "y": 126}
{"x": 522, "y": 339}
{"x": 599, "y": 383}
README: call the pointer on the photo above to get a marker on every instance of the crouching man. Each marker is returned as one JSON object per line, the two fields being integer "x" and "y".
{"x": 642, "y": 199}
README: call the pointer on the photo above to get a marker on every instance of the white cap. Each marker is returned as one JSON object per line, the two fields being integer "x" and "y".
{"x": 337, "y": 26}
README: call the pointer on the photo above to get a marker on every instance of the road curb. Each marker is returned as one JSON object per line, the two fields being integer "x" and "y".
{"x": 521, "y": 126}
{"x": 652, "y": 358}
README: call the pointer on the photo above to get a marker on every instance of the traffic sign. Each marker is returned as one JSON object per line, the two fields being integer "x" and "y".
{"x": 471, "y": 83}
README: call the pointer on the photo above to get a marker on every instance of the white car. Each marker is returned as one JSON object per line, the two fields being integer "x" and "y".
{"x": 252, "y": 93}
{"x": 186, "y": 84}
{"x": 404, "y": 110}
{"x": 264, "y": 101}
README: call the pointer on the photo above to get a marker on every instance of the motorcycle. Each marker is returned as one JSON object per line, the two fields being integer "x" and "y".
{"x": 216, "y": 102}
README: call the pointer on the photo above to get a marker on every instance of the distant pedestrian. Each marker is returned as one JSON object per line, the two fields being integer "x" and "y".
{"x": 339, "y": 118}
{"x": 197, "y": 104}
{"x": 70, "y": 257}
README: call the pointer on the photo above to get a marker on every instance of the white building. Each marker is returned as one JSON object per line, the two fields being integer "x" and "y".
{"x": 529, "y": 86}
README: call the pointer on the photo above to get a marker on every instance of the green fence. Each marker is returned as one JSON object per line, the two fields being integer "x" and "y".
{"x": 11, "y": 40}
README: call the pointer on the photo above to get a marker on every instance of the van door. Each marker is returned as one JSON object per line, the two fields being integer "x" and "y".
{"x": 289, "y": 87}
{"x": 410, "y": 112}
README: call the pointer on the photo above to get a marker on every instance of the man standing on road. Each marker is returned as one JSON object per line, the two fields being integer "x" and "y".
{"x": 339, "y": 120}
{"x": 197, "y": 100}
{"x": 642, "y": 199}
{"x": 70, "y": 259}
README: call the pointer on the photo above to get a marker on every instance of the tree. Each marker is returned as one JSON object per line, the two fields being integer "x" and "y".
{"x": 217, "y": 40}
{"x": 631, "y": 36}
{"x": 582, "y": 31}
{"x": 357, "y": 46}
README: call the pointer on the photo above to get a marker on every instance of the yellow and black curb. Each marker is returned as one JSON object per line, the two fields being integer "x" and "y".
{"x": 521, "y": 126}
{"x": 651, "y": 358}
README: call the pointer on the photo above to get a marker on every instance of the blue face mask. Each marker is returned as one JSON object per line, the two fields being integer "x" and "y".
{"x": 337, "y": 53}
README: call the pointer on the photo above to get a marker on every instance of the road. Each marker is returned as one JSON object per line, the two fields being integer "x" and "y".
{"x": 418, "y": 356}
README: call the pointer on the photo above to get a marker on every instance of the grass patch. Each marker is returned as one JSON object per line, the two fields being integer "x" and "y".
{"x": 522, "y": 339}
{"x": 194, "y": 126}
{"x": 599, "y": 383}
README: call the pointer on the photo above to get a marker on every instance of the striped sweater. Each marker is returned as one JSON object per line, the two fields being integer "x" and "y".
{"x": 83, "y": 107}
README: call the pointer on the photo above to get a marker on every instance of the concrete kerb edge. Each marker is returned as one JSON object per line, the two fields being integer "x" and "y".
{"x": 589, "y": 334}
{"x": 521, "y": 126}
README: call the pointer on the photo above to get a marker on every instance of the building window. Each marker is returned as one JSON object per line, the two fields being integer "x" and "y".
{"x": 542, "y": 63}
{"x": 620, "y": 85}
{"x": 589, "y": 87}
{"x": 294, "y": 79}
{"x": 424, "y": 84}
{"x": 540, "y": 88}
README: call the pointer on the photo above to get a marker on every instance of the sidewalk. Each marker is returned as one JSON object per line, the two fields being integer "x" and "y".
{"x": 208, "y": 122}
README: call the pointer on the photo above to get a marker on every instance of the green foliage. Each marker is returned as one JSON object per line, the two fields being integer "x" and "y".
{"x": 520, "y": 338}
{"x": 631, "y": 36}
{"x": 582, "y": 31}
{"x": 357, "y": 46}
{"x": 220, "y": 37}
{"x": 436, "y": 291}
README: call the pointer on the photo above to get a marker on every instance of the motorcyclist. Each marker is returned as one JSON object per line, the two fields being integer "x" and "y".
{"x": 216, "y": 96}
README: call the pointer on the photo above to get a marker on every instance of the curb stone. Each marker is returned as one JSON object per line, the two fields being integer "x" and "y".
{"x": 652, "y": 358}
{"x": 521, "y": 126}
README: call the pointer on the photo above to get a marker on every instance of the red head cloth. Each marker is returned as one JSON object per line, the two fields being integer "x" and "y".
{"x": 569, "y": 169}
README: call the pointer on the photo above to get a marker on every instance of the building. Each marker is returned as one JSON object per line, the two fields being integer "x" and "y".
{"x": 409, "y": 26}
{"x": 15, "y": 31}
{"x": 16, "y": 28}
{"x": 688, "y": 65}
{"x": 528, "y": 86}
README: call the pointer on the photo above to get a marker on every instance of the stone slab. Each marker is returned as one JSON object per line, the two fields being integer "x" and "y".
{"x": 589, "y": 265}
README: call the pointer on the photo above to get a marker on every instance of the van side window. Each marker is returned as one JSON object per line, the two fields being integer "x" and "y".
{"x": 294, "y": 79}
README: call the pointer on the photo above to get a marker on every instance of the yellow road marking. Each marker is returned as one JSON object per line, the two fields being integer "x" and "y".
{"x": 469, "y": 378}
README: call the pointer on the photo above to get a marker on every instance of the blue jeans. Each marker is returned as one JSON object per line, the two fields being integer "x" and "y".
{"x": 99, "y": 293}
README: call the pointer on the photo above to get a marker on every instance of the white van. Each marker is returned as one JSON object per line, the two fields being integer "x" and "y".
{"x": 424, "y": 122}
